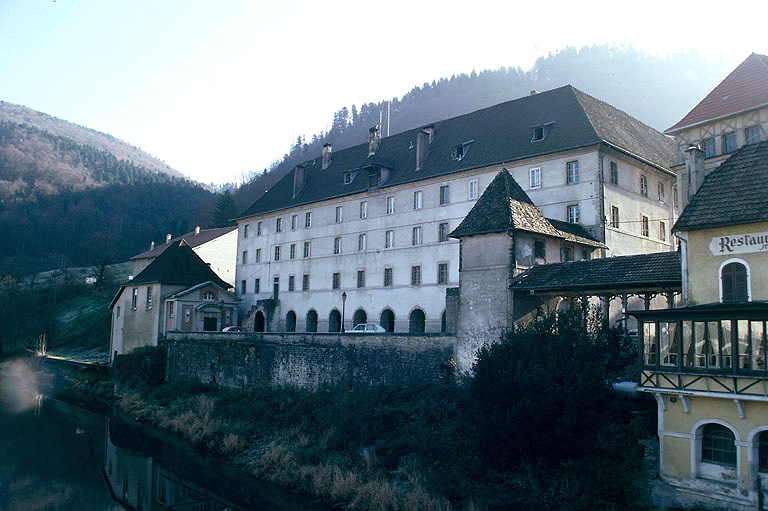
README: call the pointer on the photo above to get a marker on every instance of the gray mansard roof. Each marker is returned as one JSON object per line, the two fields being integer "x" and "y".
{"x": 498, "y": 134}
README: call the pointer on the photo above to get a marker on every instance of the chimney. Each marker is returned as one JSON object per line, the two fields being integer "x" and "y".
{"x": 423, "y": 139}
{"x": 693, "y": 175}
{"x": 373, "y": 140}
{"x": 167, "y": 238}
{"x": 152, "y": 246}
{"x": 197, "y": 230}
{"x": 327, "y": 149}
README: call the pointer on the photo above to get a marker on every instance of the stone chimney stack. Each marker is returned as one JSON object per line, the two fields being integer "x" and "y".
{"x": 167, "y": 238}
{"x": 152, "y": 246}
{"x": 327, "y": 150}
{"x": 693, "y": 175}
{"x": 197, "y": 230}
{"x": 374, "y": 134}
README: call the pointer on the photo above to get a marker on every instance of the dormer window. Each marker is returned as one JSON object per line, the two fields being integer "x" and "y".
{"x": 347, "y": 178}
{"x": 539, "y": 133}
{"x": 460, "y": 151}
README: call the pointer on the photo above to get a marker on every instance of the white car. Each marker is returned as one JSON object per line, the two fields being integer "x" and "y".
{"x": 367, "y": 328}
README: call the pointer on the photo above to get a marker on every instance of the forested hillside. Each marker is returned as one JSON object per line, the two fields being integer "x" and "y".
{"x": 655, "y": 90}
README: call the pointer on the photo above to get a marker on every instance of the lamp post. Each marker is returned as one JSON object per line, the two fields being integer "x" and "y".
{"x": 343, "y": 309}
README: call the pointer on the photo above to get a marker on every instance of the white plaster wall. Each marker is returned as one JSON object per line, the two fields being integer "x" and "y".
{"x": 221, "y": 254}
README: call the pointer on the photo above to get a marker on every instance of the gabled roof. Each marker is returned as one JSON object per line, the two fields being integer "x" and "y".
{"x": 193, "y": 240}
{"x": 661, "y": 269}
{"x": 189, "y": 290}
{"x": 178, "y": 264}
{"x": 499, "y": 134}
{"x": 733, "y": 193}
{"x": 745, "y": 88}
{"x": 505, "y": 207}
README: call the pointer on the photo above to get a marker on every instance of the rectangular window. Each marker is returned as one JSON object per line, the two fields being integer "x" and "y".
{"x": 663, "y": 231}
{"x": 279, "y": 225}
{"x": 540, "y": 250}
{"x": 567, "y": 253}
{"x": 473, "y": 189}
{"x": 245, "y": 231}
{"x": 360, "y": 278}
{"x": 418, "y": 199}
{"x": 572, "y": 172}
{"x": 389, "y": 239}
{"x": 415, "y": 275}
{"x": 243, "y": 283}
{"x": 390, "y": 205}
{"x": 339, "y": 214}
{"x": 245, "y": 257}
{"x": 170, "y": 312}
{"x": 643, "y": 186}
{"x": 305, "y": 282}
{"x": 644, "y": 226}
{"x": 442, "y": 233}
{"x": 307, "y": 248}
{"x": 149, "y": 298}
{"x": 708, "y": 146}
{"x": 293, "y": 250}
{"x": 256, "y": 285}
{"x": 535, "y": 177}
{"x": 134, "y": 298}
{"x": 615, "y": 217}
{"x": 751, "y": 135}
{"x": 661, "y": 192}
{"x": 444, "y": 195}
{"x": 573, "y": 214}
{"x": 277, "y": 253}
{"x": 291, "y": 283}
{"x": 259, "y": 229}
{"x": 387, "y": 277}
{"x": 336, "y": 281}
{"x": 258, "y": 255}
{"x": 362, "y": 242}
{"x": 416, "y": 236}
{"x": 442, "y": 273}
{"x": 614, "y": 174}
{"x": 308, "y": 219}
{"x": 364, "y": 209}
{"x": 294, "y": 222}
{"x": 729, "y": 143}
{"x": 337, "y": 245}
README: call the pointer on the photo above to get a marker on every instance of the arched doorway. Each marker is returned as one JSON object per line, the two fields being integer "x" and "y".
{"x": 290, "y": 321}
{"x": 360, "y": 317}
{"x": 258, "y": 322}
{"x": 334, "y": 321}
{"x": 416, "y": 322}
{"x": 311, "y": 321}
{"x": 387, "y": 320}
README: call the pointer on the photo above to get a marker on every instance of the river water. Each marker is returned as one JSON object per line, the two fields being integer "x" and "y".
{"x": 55, "y": 456}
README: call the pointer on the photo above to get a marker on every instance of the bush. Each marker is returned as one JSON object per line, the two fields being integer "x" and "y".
{"x": 142, "y": 367}
{"x": 543, "y": 390}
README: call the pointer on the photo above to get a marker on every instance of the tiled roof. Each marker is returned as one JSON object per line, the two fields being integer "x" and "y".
{"x": 498, "y": 134}
{"x": 504, "y": 207}
{"x": 744, "y": 89}
{"x": 661, "y": 269}
{"x": 733, "y": 193}
{"x": 178, "y": 264}
{"x": 192, "y": 239}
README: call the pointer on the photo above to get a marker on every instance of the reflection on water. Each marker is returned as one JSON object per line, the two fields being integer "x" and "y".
{"x": 54, "y": 456}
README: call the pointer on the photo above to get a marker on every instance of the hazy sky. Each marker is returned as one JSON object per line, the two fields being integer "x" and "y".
{"x": 217, "y": 88}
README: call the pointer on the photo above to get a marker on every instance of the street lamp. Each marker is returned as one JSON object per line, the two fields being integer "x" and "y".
{"x": 343, "y": 309}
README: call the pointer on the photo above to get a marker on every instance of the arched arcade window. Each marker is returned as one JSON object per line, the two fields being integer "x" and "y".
{"x": 416, "y": 322}
{"x": 718, "y": 445}
{"x": 360, "y": 317}
{"x": 334, "y": 321}
{"x": 387, "y": 320}
{"x": 290, "y": 321}
{"x": 311, "y": 321}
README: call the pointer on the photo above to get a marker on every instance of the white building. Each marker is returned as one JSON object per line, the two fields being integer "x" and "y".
{"x": 372, "y": 221}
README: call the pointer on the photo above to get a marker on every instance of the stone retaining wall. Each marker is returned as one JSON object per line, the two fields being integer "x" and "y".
{"x": 309, "y": 360}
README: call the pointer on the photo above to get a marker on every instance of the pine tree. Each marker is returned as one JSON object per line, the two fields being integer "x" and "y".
{"x": 225, "y": 211}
